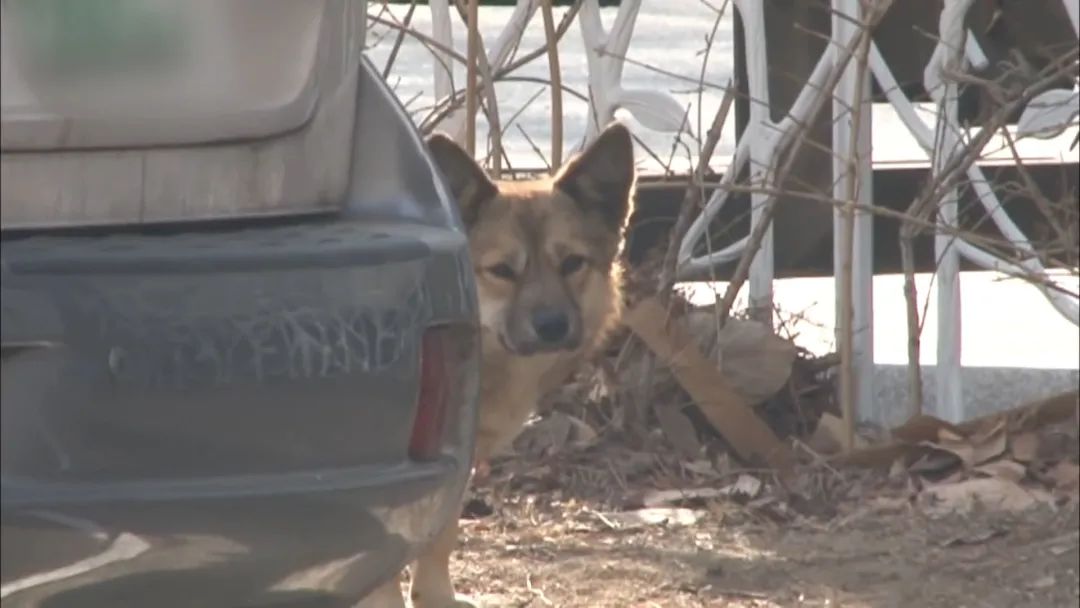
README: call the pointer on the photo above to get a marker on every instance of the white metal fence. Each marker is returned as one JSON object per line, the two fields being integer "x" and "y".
{"x": 842, "y": 75}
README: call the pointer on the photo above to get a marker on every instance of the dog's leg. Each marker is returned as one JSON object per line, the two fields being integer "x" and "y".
{"x": 431, "y": 586}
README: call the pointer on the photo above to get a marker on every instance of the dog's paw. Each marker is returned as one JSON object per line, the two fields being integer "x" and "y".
{"x": 481, "y": 473}
{"x": 457, "y": 602}
{"x": 443, "y": 600}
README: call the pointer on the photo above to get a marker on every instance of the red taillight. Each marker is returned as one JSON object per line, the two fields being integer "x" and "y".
{"x": 433, "y": 398}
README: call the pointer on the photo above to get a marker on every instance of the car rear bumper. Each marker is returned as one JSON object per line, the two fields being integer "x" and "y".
{"x": 310, "y": 539}
{"x": 223, "y": 419}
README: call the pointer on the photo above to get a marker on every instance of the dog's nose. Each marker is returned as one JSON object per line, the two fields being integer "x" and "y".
{"x": 550, "y": 325}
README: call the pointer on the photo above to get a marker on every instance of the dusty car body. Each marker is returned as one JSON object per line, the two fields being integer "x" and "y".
{"x": 239, "y": 321}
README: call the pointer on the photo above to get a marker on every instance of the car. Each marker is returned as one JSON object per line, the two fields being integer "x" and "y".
{"x": 240, "y": 330}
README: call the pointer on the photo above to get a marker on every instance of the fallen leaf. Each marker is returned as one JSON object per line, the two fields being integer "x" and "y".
{"x": 875, "y": 456}
{"x": 773, "y": 508}
{"x": 1038, "y": 413}
{"x": 828, "y": 437}
{"x": 542, "y": 436}
{"x": 975, "y": 539}
{"x": 700, "y": 467}
{"x": 976, "y": 449}
{"x": 1025, "y": 417}
{"x": 1058, "y": 444}
{"x": 897, "y": 468}
{"x": 952, "y": 477}
{"x": 923, "y": 428}
{"x": 746, "y": 487}
{"x": 1005, "y": 469}
{"x": 1024, "y": 446}
{"x": 933, "y": 460}
{"x": 945, "y": 435}
{"x": 990, "y": 443}
{"x": 960, "y": 451}
{"x": 670, "y": 516}
{"x": 553, "y": 432}
{"x": 1065, "y": 476}
{"x": 887, "y": 504}
{"x": 658, "y": 498}
{"x": 678, "y": 430}
{"x": 757, "y": 361}
{"x": 581, "y": 434}
{"x": 989, "y": 492}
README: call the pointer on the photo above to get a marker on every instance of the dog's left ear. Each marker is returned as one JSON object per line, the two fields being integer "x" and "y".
{"x": 601, "y": 179}
{"x": 468, "y": 183}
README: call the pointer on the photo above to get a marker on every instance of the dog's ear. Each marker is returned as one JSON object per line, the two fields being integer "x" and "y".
{"x": 467, "y": 180}
{"x": 601, "y": 179}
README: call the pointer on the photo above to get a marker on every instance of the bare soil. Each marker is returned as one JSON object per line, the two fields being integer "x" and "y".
{"x": 547, "y": 532}
{"x": 562, "y": 555}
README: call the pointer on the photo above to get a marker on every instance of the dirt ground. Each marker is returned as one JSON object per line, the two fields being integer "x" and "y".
{"x": 563, "y": 555}
{"x": 555, "y": 532}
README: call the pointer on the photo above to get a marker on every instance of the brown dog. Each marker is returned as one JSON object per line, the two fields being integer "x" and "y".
{"x": 547, "y": 259}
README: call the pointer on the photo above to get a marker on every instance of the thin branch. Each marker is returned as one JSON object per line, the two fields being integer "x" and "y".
{"x": 560, "y": 31}
{"x": 694, "y": 195}
{"x": 399, "y": 39}
{"x": 556, "y": 89}
{"x": 471, "y": 83}
{"x": 535, "y": 148}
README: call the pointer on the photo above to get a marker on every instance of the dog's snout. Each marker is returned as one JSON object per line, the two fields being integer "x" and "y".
{"x": 551, "y": 325}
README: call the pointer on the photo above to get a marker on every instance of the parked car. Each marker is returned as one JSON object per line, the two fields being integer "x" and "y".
{"x": 240, "y": 348}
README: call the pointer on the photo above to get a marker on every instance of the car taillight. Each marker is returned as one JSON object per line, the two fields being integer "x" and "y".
{"x": 433, "y": 398}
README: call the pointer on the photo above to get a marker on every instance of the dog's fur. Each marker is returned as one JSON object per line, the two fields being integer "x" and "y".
{"x": 547, "y": 258}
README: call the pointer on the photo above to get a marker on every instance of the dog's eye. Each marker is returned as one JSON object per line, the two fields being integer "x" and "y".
{"x": 571, "y": 264}
{"x": 502, "y": 271}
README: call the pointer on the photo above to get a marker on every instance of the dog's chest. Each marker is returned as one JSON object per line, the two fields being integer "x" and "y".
{"x": 511, "y": 387}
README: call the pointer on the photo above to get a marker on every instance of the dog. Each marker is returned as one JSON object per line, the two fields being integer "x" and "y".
{"x": 547, "y": 255}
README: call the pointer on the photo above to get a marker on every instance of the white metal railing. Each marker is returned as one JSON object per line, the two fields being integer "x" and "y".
{"x": 762, "y": 140}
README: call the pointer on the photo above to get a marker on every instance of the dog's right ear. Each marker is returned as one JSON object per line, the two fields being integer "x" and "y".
{"x": 601, "y": 178}
{"x": 467, "y": 180}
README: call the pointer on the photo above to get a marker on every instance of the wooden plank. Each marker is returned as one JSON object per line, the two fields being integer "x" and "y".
{"x": 748, "y": 435}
